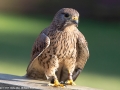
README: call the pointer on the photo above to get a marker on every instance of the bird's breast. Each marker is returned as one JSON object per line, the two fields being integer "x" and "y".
{"x": 63, "y": 45}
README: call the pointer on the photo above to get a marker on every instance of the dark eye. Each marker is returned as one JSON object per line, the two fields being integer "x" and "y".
{"x": 66, "y": 15}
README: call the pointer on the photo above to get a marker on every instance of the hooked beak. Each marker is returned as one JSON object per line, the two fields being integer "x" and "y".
{"x": 75, "y": 20}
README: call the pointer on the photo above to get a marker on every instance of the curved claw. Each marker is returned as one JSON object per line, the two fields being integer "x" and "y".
{"x": 70, "y": 82}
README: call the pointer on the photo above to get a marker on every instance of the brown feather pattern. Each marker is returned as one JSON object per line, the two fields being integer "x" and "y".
{"x": 60, "y": 47}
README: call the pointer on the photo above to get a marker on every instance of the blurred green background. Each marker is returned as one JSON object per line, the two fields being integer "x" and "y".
{"x": 21, "y": 21}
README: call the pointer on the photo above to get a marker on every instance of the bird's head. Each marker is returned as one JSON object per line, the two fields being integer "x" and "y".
{"x": 66, "y": 17}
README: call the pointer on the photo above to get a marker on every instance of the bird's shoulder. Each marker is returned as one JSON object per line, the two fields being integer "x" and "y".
{"x": 80, "y": 37}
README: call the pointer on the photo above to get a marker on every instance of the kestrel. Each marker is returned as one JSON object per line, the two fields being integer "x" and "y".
{"x": 60, "y": 52}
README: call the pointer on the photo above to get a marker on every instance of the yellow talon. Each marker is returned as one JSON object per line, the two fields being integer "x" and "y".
{"x": 70, "y": 82}
{"x": 56, "y": 84}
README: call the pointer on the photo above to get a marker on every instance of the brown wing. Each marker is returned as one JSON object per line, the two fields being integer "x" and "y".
{"x": 39, "y": 46}
{"x": 82, "y": 55}
{"x": 82, "y": 51}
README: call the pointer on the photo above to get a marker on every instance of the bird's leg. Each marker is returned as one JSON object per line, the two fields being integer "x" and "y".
{"x": 50, "y": 72}
{"x": 70, "y": 79}
{"x": 56, "y": 82}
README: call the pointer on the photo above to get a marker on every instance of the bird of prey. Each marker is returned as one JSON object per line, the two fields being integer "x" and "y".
{"x": 60, "y": 52}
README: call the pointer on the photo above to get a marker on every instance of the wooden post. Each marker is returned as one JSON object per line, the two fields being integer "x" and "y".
{"x": 13, "y": 82}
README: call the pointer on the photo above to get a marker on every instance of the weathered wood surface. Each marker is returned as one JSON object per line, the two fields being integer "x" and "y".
{"x": 14, "y": 82}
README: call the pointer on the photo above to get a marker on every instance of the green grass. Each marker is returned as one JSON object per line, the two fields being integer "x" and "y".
{"x": 17, "y": 34}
